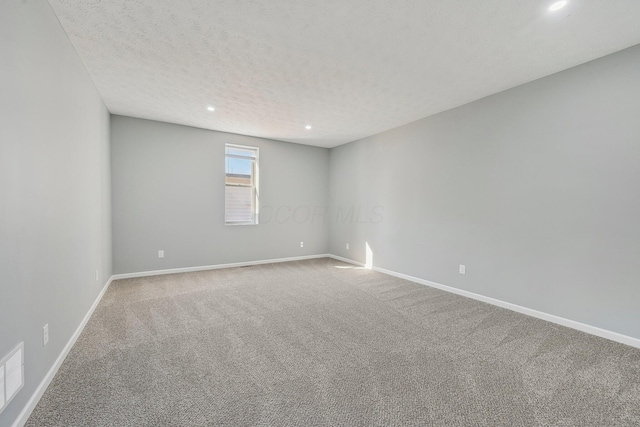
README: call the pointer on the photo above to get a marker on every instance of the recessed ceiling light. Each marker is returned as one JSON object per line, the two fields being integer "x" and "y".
{"x": 210, "y": 108}
{"x": 307, "y": 127}
{"x": 558, "y": 5}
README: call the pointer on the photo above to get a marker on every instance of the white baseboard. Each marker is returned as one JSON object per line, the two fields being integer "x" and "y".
{"x": 42, "y": 387}
{"x": 593, "y": 330}
{"x": 347, "y": 260}
{"x": 214, "y": 267}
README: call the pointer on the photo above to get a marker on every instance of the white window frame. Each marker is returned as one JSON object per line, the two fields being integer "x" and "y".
{"x": 255, "y": 175}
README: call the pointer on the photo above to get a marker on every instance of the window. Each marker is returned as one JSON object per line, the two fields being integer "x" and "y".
{"x": 241, "y": 185}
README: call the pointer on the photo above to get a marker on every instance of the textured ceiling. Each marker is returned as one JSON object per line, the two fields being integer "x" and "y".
{"x": 349, "y": 68}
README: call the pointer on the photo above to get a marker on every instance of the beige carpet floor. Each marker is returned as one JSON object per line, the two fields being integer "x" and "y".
{"x": 321, "y": 343}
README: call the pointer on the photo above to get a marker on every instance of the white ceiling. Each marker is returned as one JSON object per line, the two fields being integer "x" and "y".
{"x": 349, "y": 68}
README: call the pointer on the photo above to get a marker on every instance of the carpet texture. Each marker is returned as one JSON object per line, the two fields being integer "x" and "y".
{"x": 321, "y": 343}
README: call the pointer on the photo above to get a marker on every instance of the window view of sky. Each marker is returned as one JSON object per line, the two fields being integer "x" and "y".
{"x": 236, "y": 165}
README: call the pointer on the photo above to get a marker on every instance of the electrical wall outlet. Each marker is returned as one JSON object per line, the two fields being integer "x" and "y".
{"x": 347, "y": 246}
{"x": 302, "y": 244}
{"x": 97, "y": 275}
{"x": 462, "y": 269}
{"x": 45, "y": 334}
{"x": 160, "y": 253}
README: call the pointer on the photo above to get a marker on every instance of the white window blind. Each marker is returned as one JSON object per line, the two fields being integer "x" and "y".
{"x": 241, "y": 184}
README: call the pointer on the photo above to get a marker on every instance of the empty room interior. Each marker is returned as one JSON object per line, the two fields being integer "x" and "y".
{"x": 335, "y": 213}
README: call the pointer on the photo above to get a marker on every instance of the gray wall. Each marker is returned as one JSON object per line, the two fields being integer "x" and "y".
{"x": 168, "y": 193}
{"x": 534, "y": 189}
{"x": 54, "y": 190}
